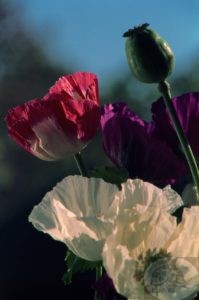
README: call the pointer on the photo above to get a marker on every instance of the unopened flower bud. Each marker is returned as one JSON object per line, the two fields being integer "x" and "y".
{"x": 149, "y": 55}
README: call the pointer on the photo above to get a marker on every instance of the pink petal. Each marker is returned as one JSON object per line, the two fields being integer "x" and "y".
{"x": 78, "y": 86}
{"x": 53, "y": 128}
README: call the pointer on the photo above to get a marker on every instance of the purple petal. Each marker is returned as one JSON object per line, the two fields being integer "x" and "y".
{"x": 187, "y": 108}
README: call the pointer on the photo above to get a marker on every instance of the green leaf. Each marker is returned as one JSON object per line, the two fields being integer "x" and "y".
{"x": 77, "y": 265}
{"x": 110, "y": 174}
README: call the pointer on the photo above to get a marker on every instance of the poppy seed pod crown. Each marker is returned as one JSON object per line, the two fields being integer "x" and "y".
{"x": 149, "y": 55}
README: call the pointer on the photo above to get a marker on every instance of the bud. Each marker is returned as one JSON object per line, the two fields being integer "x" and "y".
{"x": 149, "y": 56}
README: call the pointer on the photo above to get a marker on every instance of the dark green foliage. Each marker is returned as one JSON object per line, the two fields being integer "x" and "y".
{"x": 110, "y": 174}
{"x": 77, "y": 265}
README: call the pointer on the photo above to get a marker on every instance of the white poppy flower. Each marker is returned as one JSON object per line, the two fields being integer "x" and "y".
{"x": 148, "y": 255}
{"x": 79, "y": 212}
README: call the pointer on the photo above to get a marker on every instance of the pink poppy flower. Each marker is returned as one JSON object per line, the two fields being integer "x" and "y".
{"x": 62, "y": 122}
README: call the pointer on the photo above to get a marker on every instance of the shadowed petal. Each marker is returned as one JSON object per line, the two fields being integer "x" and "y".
{"x": 187, "y": 108}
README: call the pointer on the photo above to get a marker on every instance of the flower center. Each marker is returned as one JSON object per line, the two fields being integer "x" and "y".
{"x": 148, "y": 258}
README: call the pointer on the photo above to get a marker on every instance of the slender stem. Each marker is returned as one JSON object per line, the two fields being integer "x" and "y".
{"x": 80, "y": 164}
{"x": 83, "y": 172}
{"x": 164, "y": 88}
{"x": 99, "y": 272}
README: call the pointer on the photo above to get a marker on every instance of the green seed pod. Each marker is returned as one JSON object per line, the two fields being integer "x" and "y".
{"x": 149, "y": 56}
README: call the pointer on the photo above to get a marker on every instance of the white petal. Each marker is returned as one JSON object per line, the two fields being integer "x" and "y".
{"x": 52, "y": 143}
{"x": 185, "y": 242}
{"x": 134, "y": 234}
{"x": 141, "y": 195}
{"x": 85, "y": 196}
{"x": 79, "y": 211}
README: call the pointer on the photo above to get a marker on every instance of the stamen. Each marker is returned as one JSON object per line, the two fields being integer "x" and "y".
{"x": 147, "y": 258}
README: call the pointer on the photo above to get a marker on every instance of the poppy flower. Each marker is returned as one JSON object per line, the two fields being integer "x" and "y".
{"x": 130, "y": 143}
{"x": 81, "y": 211}
{"x": 145, "y": 254}
{"x": 60, "y": 123}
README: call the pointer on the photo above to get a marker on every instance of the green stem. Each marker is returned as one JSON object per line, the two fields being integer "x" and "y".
{"x": 164, "y": 88}
{"x": 99, "y": 273}
{"x": 80, "y": 164}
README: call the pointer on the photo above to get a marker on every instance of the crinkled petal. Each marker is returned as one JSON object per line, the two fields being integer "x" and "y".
{"x": 58, "y": 125}
{"x": 143, "y": 195}
{"x": 19, "y": 128}
{"x": 188, "y": 230}
{"x": 79, "y": 212}
{"x": 53, "y": 128}
{"x": 78, "y": 86}
{"x": 133, "y": 235}
{"x": 141, "y": 232}
{"x": 83, "y": 196}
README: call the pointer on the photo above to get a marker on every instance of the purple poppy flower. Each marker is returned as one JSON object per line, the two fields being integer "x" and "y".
{"x": 129, "y": 142}
{"x": 187, "y": 108}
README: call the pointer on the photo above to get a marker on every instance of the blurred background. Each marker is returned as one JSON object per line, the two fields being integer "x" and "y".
{"x": 39, "y": 42}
